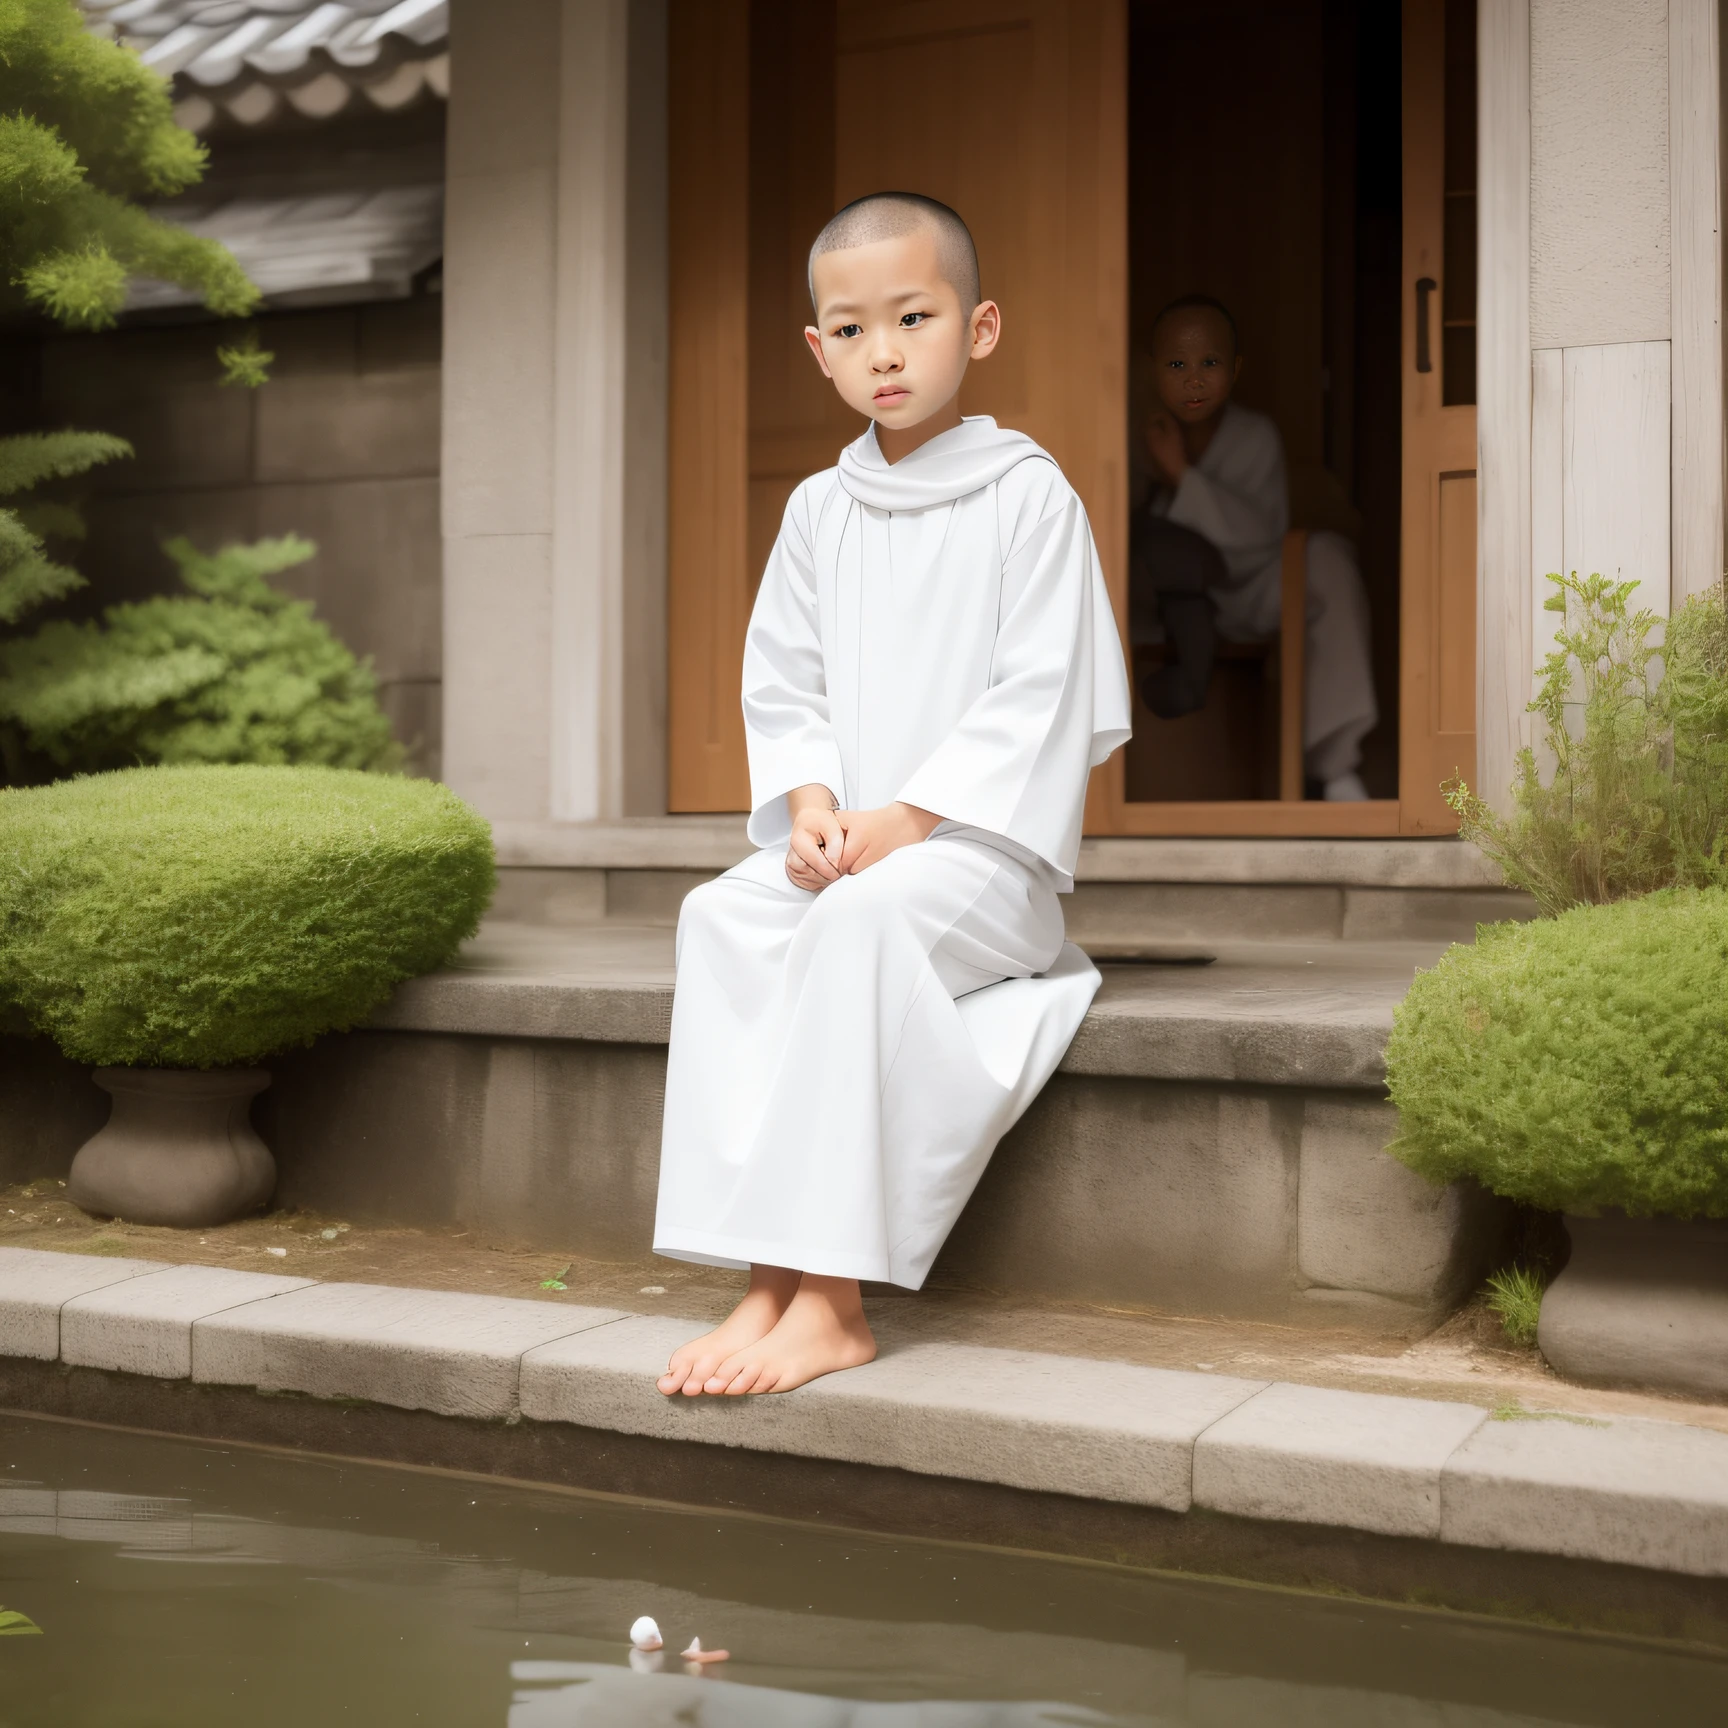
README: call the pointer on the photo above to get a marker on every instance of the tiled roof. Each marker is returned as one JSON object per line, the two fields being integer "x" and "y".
{"x": 366, "y": 244}
{"x": 250, "y": 62}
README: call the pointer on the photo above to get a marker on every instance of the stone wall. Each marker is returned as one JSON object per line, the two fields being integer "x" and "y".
{"x": 342, "y": 446}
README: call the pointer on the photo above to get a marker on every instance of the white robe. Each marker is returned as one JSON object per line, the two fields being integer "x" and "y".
{"x": 1237, "y": 496}
{"x": 843, "y": 1063}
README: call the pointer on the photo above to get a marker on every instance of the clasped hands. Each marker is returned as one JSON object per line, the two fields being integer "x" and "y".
{"x": 828, "y": 843}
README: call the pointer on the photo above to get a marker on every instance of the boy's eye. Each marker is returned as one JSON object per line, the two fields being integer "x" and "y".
{"x": 1177, "y": 365}
{"x": 850, "y": 330}
{"x": 911, "y": 320}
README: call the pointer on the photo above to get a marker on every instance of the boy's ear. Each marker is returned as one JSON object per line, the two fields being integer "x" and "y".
{"x": 1235, "y": 371}
{"x": 986, "y": 329}
{"x": 814, "y": 337}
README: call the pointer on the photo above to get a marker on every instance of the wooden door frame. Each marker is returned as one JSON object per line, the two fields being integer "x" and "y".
{"x": 1108, "y": 810}
{"x": 708, "y": 443}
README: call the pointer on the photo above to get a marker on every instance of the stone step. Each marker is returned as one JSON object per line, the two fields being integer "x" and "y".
{"x": 1213, "y": 1143}
{"x": 1128, "y": 892}
{"x": 1632, "y": 1493}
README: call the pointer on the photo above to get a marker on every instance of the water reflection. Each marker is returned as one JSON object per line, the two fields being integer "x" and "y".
{"x": 592, "y": 1695}
{"x": 192, "y": 1586}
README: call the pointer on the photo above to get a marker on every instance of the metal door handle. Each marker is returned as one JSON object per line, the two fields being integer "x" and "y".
{"x": 1425, "y": 285}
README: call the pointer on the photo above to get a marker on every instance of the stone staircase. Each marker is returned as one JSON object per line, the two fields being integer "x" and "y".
{"x": 1213, "y": 1143}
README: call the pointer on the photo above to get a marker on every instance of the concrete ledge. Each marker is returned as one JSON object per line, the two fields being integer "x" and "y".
{"x": 1327, "y": 1457}
{"x": 528, "y": 1007}
{"x": 144, "y": 1325}
{"x": 1102, "y": 1430}
{"x": 1262, "y": 1014}
{"x": 637, "y": 843}
{"x": 1642, "y": 1494}
{"x": 718, "y": 842}
{"x": 35, "y": 1286}
{"x": 438, "y": 1350}
{"x": 1418, "y": 1572}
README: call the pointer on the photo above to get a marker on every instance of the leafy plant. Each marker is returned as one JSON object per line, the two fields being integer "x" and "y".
{"x": 1515, "y": 1299}
{"x": 189, "y": 917}
{"x": 1637, "y": 798}
{"x": 235, "y": 671}
{"x": 16, "y": 1625}
{"x": 87, "y": 131}
{"x": 1577, "y": 1062}
{"x": 28, "y": 576}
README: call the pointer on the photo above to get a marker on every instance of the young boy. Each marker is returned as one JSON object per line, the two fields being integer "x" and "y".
{"x": 1207, "y": 546}
{"x": 866, "y": 1005}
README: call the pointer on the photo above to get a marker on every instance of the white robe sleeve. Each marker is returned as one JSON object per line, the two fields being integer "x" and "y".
{"x": 1239, "y": 499}
{"x": 1016, "y": 762}
{"x": 786, "y": 720}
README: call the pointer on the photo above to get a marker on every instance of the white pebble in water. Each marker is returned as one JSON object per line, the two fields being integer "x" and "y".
{"x": 645, "y": 1635}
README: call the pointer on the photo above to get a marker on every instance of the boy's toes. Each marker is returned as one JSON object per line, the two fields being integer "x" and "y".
{"x": 685, "y": 1373}
{"x": 734, "y": 1376}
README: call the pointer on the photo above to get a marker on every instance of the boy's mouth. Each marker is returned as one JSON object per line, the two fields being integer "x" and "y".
{"x": 890, "y": 396}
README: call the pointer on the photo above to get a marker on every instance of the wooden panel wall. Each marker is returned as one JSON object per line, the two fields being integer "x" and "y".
{"x": 708, "y": 579}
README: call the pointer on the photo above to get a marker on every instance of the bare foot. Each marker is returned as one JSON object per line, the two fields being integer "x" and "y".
{"x": 770, "y": 1294}
{"x": 823, "y": 1330}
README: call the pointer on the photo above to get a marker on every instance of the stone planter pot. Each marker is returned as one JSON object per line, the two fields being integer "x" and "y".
{"x": 1642, "y": 1302}
{"x": 178, "y": 1148}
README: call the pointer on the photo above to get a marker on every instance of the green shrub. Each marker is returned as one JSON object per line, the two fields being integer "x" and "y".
{"x": 188, "y": 917}
{"x": 1637, "y": 795}
{"x": 235, "y": 671}
{"x": 1578, "y": 1062}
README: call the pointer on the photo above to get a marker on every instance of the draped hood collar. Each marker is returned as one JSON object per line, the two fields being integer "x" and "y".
{"x": 967, "y": 457}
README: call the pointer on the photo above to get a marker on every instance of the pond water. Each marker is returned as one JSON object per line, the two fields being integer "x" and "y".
{"x": 182, "y": 1585}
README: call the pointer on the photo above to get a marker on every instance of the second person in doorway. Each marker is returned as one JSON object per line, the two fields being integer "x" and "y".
{"x": 1207, "y": 545}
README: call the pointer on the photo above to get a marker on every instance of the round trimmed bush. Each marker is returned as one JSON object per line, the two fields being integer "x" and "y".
{"x": 1576, "y": 1063}
{"x": 188, "y": 917}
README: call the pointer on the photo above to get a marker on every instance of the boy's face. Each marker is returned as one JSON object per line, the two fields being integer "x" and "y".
{"x": 1195, "y": 363}
{"x": 891, "y": 332}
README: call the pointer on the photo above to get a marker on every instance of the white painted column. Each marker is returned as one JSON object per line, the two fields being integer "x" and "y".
{"x": 1602, "y": 433}
{"x": 1695, "y": 153}
{"x": 1503, "y": 390}
{"x": 500, "y": 228}
{"x": 554, "y": 464}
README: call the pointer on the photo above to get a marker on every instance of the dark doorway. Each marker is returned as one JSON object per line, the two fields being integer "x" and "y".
{"x": 1265, "y": 169}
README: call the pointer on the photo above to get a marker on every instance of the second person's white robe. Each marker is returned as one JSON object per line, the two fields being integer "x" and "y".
{"x": 842, "y": 1064}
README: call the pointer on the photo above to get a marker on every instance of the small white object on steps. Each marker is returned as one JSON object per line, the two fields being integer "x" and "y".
{"x": 645, "y": 1635}
{"x": 697, "y": 1654}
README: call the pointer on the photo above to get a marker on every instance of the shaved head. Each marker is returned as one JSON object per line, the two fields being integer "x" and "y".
{"x": 888, "y": 215}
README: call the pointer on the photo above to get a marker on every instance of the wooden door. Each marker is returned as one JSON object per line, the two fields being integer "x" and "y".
{"x": 1012, "y": 111}
{"x": 1438, "y": 559}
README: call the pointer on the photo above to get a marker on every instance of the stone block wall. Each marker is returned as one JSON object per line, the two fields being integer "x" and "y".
{"x": 342, "y": 446}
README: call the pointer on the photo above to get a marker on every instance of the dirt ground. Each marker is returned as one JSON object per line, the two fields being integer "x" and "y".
{"x": 1468, "y": 1358}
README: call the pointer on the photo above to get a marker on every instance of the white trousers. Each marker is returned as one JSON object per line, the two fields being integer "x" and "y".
{"x": 1339, "y": 706}
{"x": 843, "y": 1063}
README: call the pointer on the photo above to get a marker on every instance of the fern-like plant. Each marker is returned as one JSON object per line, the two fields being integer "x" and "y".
{"x": 234, "y": 671}
{"x": 1636, "y": 798}
{"x": 87, "y": 134}
{"x": 28, "y": 576}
